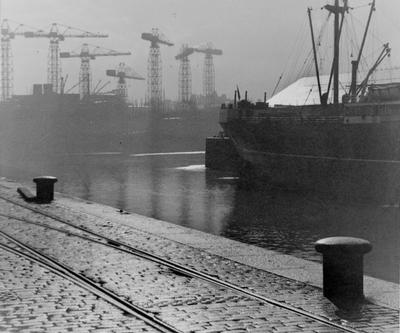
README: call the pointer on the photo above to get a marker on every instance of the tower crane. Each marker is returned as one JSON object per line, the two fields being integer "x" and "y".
{"x": 154, "y": 67}
{"x": 123, "y": 72}
{"x": 56, "y": 34}
{"x": 184, "y": 75}
{"x": 7, "y": 34}
{"x": 86, "y": 54}
{"x": 208, "y": 70}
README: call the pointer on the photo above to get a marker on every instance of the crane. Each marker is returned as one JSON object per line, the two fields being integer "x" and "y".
{"x": 86, "y": 54}
{"x": 154, "y": 67}
{"x": 7, "y": 34}
{"x": 123, "y": 72}
{"x": 208, "y": 70}
{"x": 184, "y": 75}
{"x": 57, "y": 33}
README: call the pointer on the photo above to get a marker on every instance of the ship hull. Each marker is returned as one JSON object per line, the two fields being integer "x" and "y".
{"x": 345, "y": 152}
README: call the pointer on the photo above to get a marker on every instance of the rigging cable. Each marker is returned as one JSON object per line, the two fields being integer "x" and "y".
{"x": 276, "y": 86}
{"x": 309, "y": 93}
{"x": 307, "y": 67}
{"x": 290, "y": 64}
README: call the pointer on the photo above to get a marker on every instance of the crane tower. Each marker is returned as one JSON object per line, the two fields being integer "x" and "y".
{"x": 86, "y": 54}
{"x": 56, "y": 35}
{"x": 208, "y": 70}
{"x": 123, "y": 72}
{"x": 185, "y": 75}
{"x": 154, "y": 67}
{"x": 7, "y": 34}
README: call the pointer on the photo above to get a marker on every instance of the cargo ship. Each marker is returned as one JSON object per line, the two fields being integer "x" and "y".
{"x": 348, "y": 148}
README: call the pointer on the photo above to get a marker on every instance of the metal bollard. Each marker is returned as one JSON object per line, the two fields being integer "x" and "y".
{"x": 45, "y": 188}
{"x": 343, "y": 267}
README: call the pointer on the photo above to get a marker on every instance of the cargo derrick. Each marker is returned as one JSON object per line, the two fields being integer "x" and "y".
{"x": 123, "y": 72}
{"x": 154, "y": 68}
{"x": 185, "y": 75}
{"x": 56, "y": 35}
{"x": 86, "y": 55}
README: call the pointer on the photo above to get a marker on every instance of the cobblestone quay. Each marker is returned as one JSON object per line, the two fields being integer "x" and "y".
{"x": 33, "y": 298}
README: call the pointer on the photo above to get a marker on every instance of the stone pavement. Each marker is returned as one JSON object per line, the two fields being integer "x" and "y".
{"x": 188, "y": 304}
{"x": 33, "y": 299}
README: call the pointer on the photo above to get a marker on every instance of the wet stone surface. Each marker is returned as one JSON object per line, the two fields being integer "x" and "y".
{"x": 34, "y": 299}
{"x": 186, "y": 303}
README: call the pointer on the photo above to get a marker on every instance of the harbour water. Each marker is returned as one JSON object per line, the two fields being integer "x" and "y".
{"x": 173, "y": 185}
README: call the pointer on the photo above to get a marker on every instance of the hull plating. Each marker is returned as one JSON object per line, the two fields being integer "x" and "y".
{"x": 345, "y": 152}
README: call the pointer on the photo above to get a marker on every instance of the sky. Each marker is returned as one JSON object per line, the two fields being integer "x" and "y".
{"x": 260, "y": 39}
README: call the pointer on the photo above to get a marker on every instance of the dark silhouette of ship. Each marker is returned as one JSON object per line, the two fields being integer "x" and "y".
{"x": 349, "y": 148}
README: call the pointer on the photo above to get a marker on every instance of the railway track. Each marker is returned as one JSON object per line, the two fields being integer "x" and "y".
{"x": 82, "y": 281}
{"x": 91, "y": 236}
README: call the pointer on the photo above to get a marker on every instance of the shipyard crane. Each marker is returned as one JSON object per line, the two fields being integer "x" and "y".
{"x": 208, "y": 70}
{"x": 86, "y": 54}
{"x": 184, "y": 75}
{"x": 56, "y": 34}
{"x": 154, "y": 67}
{"x": 7, "y": 34}
{"x": 123, "y": 72}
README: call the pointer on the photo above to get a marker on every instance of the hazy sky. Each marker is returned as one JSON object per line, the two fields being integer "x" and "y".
{"x": 260, "y": 38}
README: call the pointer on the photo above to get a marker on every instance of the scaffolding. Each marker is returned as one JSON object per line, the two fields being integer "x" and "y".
{"x": 184, "y": 75}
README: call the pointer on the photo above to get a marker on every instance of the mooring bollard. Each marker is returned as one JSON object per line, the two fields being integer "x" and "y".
{"x": 45, "y": 188}
{"x": 343, "y": 267}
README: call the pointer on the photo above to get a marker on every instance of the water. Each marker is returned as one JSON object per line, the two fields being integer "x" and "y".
{"x": 159, "y": 172}
{"x": 175, "y": 186}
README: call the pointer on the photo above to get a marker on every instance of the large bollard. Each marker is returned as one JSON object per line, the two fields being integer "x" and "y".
{"x": 45, "y": 188}
{"x": 343, "y": 268}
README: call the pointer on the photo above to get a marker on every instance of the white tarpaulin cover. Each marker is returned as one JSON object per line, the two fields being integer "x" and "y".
{"x": 305, "y": 90}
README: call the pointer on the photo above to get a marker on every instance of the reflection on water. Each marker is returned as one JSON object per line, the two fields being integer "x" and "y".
{"x": 177, "y": 188}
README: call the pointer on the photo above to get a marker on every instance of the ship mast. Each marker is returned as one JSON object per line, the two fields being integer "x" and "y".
{"x": 336, "y": 10}
{"x": 315, "y": 55}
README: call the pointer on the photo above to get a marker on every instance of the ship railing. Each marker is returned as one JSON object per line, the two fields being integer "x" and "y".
{"x": 291, "y": 118}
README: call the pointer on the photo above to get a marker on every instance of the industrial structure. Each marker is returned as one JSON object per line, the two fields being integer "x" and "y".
{"x": 209, "y": 71}
{"x": 56, "y": 35}
{"x": 154, "y": 96}
{"x": 154, "y": 68}
{"x": 123, "y": 72}
{"x": 185, "y": 74}
{"x": 7, "y": 34}
{"x": 86, "y": 54}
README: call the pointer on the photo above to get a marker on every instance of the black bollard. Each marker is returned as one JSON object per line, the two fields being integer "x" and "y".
{"x": 343, "y": 272}
{"x": 45, "y": 188}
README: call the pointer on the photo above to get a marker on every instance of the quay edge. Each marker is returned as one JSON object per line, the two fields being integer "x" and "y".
{"x": 379, "y": 292}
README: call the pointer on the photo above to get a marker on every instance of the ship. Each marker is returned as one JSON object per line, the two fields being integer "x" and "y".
{"x": 348, "y": 148}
